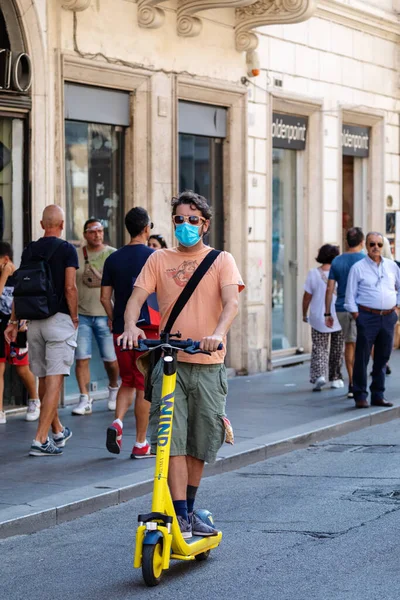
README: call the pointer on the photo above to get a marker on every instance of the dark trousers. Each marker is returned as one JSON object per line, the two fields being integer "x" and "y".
{"x": 377, "y": 331}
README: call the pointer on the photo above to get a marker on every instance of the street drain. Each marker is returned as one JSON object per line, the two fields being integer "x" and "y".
{"x": 387, "y": 495}
{"x": 336, "y": 448}
{"x": 367, "y": 449}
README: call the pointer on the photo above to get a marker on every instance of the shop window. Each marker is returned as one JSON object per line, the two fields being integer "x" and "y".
{"x": 94, "y": 179}
{"x": 200, "y": 170}
{"x": 284, "y": 249}
{"x": 11, "y": 220}
{"x": 348, "y": 196}
{"x": 202, "y": 130}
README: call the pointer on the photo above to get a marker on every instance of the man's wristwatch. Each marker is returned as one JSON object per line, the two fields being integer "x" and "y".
{"x": 327, "y": 314}
{"x": 12, "y": 322}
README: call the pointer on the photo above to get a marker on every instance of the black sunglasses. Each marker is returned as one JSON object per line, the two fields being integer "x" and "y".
{"x": 373, "y": 244}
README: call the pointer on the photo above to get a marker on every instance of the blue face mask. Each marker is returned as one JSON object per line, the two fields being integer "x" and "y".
{"x": 187, "y": 235}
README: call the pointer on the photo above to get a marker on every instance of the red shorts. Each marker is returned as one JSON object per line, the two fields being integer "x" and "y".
{"x": 130, "y": 375}
{"x": 18, "y": 356}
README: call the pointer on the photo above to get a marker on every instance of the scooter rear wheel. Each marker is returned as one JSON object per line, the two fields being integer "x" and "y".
{"x": 203, "y": 555}
{"x": 152, "y": 570}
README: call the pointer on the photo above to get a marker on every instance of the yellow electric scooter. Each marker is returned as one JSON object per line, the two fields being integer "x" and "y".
{"x": 158, "y": 537}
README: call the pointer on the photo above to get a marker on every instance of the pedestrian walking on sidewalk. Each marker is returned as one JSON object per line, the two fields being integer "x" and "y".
{"x": 16, "y": 354}
{"x": 157, "y": 242}
{"x": 120, "y": 272}
{"x": 373, "y": 297}
{"x": 93, "y": 320}
{"x": 327, "y": 342}
{"x": 46, "y": 285}
{"x": 201, "y": 385}
{"x": 337, "y": 281}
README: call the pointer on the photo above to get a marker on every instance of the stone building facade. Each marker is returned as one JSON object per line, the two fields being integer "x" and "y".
{"x": 123, "y": 103}
{"x": 336, "y": 73}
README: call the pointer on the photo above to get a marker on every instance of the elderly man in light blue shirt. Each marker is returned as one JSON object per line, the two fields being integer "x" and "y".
{"x": 373, "y": 297}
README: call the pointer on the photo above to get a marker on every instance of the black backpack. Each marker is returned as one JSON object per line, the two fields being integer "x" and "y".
{"x": 34, "y": 293}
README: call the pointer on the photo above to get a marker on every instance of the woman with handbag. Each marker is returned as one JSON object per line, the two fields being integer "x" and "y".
{"x": 327, "y": 343}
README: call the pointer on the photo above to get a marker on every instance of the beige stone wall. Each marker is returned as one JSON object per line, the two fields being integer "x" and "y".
{"x": 344, "y": 62}
{"x": 336, "y": 66}
{"x": 111, "y": 28}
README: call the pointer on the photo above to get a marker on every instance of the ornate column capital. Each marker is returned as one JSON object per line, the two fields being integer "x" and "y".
{"x": 188, "y": 25}
{"x": 268, "y": 12}
{"x": 75, "y": 4}
{"x": 149, "y": 14}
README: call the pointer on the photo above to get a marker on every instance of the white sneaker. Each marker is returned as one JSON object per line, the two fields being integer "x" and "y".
{"x": 112, "y": 398}
{"x": 337, "y": 384}
{"x": 3, "y": 418}
{"x": 33, "y": 412}
{"x": 319, "y": 384}
{"x": 84, "y": 407}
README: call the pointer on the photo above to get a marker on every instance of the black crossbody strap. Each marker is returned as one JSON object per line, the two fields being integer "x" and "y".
{"x": 190, "y": 287}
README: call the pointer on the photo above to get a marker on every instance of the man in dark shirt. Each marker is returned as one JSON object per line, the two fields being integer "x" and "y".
{"x": 119, "y": 275}
{"x": 52, "y": 341}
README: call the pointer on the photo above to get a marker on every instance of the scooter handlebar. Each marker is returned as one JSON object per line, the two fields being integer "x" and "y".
{"x": 188, "y": 346}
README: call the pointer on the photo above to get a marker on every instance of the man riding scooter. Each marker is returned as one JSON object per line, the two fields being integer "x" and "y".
{"x": 207, "y": 315}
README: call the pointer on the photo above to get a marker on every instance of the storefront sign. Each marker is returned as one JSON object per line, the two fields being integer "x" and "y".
{"x": 355, "y": 140}
{"x": 289, "y": 131}
{"x": 15, "y": 71}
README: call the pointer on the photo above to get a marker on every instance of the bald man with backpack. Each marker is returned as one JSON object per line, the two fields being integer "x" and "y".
{"x": 45, "y": 293}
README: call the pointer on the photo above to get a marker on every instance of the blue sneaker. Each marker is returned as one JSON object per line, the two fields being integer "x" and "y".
{"x": 63, "y": 437}
{"x": 185, "y": 527}
{"x": 199, "y": 525}
{"x": 46, "y": 449}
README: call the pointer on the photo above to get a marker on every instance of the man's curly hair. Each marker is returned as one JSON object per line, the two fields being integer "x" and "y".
{"x": 194, "y": 200}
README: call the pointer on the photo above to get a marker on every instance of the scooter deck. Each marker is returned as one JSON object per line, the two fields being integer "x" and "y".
{"x": 197, "y": 538}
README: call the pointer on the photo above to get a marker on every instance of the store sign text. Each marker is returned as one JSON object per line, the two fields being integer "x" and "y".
{"x": 289, "y": 132}
{"x": 355, "y": 140}
{"x": 15, "y": 71}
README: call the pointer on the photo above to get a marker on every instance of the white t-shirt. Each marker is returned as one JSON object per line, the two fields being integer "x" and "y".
{"x": 316, "y": 286}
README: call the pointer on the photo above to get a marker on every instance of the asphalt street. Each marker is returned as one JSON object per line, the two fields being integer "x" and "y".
{"x": 321, "y": 523}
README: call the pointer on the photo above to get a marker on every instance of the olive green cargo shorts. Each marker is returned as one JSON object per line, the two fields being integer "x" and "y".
{"x": 200, "y": 398}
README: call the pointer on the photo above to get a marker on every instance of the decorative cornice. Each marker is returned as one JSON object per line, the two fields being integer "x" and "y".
{"x": 149, "y": 14}
{"x": 75, "y": 4}
{"x": 268, "y": 12}
{"x": 188, "y": 25}
{"x": 249, "y": 15}
{"x": 365, "y": 18}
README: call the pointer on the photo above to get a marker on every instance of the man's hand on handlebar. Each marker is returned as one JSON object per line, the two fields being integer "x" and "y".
{"x": 129, "y": 339}
{"x": 211, "y": 342}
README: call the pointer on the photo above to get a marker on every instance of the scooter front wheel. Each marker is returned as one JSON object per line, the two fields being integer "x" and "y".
{"x": 152, "y": 563}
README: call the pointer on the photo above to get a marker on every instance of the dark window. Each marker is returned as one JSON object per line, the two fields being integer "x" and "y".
{"x": 200, "y": 170}
{"x": 94, "y": 179}
{"x": 4, "y": 39}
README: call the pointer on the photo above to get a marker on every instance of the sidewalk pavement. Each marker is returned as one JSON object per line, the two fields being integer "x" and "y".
{"x": 271, "y": 413}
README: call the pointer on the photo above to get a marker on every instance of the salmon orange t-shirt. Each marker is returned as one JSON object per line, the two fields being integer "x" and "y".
{"x": 167, "y": 271}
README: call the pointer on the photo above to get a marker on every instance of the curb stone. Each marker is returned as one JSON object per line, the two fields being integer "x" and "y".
{"x": 26, "y": 519}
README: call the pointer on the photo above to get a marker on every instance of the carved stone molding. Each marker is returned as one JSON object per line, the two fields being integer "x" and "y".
{"x": 149, "y": 14}
{"x": 75, "y": 4}
{"x": 188, "y": 25}
{"x": 268, "y": 12}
